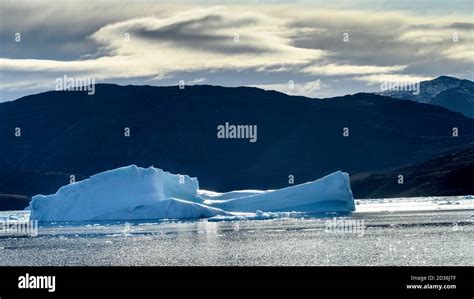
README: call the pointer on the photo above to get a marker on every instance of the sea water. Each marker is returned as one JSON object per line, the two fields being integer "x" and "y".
{"x": 402, "y": 231}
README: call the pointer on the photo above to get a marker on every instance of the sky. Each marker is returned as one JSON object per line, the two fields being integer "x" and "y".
{"x": 313, "y": 48}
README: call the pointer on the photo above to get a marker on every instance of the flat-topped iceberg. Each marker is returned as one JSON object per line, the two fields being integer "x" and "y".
{"x": 126, "y": 193}
{"x": 135, "y": 193}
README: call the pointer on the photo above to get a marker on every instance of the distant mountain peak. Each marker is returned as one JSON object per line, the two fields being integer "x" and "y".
{"x": 449, "y": 92}
{"x": 444, "y": 79}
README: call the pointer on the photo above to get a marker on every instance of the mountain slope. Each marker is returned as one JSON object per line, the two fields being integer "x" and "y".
{"x": 460, "y": 99}
{"x": 451, "y": 174}
{"x": 176, "y": 130}
{"x": 448, "y": 92}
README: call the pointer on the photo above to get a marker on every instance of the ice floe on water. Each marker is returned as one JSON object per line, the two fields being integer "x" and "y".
{"x": 409, "y": 204}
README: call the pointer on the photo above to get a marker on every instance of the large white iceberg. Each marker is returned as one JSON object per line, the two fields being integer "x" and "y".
{"x": 125, "y": 193}
{"x": 135, "y": 193}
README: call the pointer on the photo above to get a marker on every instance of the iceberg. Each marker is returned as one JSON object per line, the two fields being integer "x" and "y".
{"x": 136, "y": 193}
{"x": 126, "y": 193}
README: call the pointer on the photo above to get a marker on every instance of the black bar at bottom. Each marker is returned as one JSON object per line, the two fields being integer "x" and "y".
{"x": 224, "y": 282}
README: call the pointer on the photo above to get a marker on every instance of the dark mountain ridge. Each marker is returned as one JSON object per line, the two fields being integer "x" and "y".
{"x": 66, "y": 132}
{"x": 450, "y": 174}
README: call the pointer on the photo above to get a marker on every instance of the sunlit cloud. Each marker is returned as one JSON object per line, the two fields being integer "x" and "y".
{"x": 295, "y": 88}
{"x": 382, "y": 78}
{"x": 335, "y": 70}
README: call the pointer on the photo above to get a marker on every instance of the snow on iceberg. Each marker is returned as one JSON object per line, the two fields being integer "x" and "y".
{"x": 135, "y": 193}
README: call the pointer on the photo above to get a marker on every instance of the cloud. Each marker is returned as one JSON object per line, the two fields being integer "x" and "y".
{"x": 308, "y": 89}
{"x": 264, "y": 46}
{"x": 335, "y": 70}
{"x": 382, "y": 78}
{"x": 461, "y": 52}
{"x": 196, "y": 81}
{"x": 382, "y": 38}
{"x": 204, "y": 39}
{"x": 191, "y": 40}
